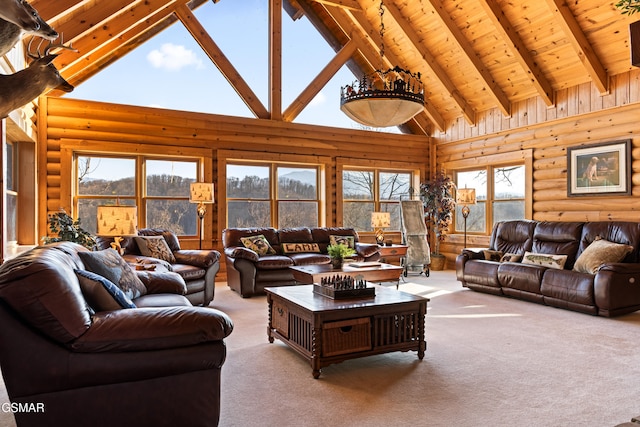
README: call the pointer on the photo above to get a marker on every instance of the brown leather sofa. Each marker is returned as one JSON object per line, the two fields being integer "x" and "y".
{"x": 198, "y": 268}
{"x": 155, "y": 365}
{"x": 611, "y": 289}
{"x": 248, "y": 273}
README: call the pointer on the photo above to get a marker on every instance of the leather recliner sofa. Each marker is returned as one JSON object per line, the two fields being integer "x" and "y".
{"x": 198, "y": 268}
{"x": 248, "y": 273}
{"x": 155, "y": 365}
{"x": 611, "y": 289}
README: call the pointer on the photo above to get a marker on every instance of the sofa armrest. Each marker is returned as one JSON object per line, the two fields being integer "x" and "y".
{"x": 163, "y": 282}
{"x": 616, "y": 288}
{"x": 199, "y": 258}
{"x": 240, "y": 252}
{"x": 367, "y": 250}
{"x": 148, "y": 329}
{"x": 474, "y": 253}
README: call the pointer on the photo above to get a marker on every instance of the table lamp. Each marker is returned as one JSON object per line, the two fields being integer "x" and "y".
{"x": 465, "y": 197}
{"x": 380, "y": 220}
{"x": 117, "y": 221}
{"x": 202, "y": 194}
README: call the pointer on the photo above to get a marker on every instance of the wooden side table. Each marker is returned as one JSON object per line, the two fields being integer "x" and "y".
{"x": 393, "y": 251}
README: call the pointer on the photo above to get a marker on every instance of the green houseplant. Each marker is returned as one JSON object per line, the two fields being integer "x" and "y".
{"x": 338, "y": 253}
{"x": 439, "y": 203}
{"x": 68, "y": 230}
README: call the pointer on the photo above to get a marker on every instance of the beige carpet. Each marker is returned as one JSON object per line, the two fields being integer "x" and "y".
{"x": 490, "y": 361}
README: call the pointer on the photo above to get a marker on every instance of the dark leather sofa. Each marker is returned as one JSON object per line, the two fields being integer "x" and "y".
{"x": 198, "y": 268}
{"x": 155, "y": 365}
{"x": 613, "y": 289}
{"x": 248, "y": 273}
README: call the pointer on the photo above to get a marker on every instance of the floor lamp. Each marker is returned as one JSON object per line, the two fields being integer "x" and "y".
{"x": 466, "y": 197}
{"x": 202, "y": 194}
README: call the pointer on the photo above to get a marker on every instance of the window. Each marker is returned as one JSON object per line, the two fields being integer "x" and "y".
{"x": 500, "y": 198}
{"x": 159, "y": 187}
{"x": 371, "y": 190}
{"x": 11, "y": 214}
{"x": 272, "y": 194}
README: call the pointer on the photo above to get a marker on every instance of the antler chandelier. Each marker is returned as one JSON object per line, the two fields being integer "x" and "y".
{"x": 383, "y": 98}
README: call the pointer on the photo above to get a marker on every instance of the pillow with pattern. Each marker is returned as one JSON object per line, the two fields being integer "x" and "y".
{"x": 600, "y": 252}
{"x": 348, "y": 241}
{"x": 490, "y": 255}
{"x": 155, "y": 247}
{"x": 296, "y": 248}
{"x": 545, "y": 260}
{"x": 110, "y": 265}
{"x": 101, "y": 294}
{"x": 259, "y": 244}
{"x": 510, "y": 257}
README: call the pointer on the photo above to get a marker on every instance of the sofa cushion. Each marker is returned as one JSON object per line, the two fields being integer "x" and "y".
{"x": 155, "y": 247}
{"x": 189, "y": 272}
{"x": 491, "y": 255}
{"x": 509, "y": 257}
{"x": 310, "y": 259}
{"x": 108, "y": 263}
{"x": 259, "y": 244}
{"x": 296, "y": 248}
{"x": 273, "y": 262}
{"x": 545, "y": 260}
{"x": 600, "y": 252}
{"x": 101, "y": 293}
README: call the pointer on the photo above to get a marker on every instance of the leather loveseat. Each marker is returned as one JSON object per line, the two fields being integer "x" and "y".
{"x": 249, "y": 273}
{"x": 198, "y": 268}
{"x": 68, "y": 364}
{"x": 600, "y": 274}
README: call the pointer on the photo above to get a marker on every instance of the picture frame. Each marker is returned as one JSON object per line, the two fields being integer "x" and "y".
{"x": 599, "y": 169}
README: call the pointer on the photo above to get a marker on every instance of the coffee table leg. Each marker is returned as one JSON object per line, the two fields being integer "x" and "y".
{"x": 269, "y": 327}
{"x": 316, "y": 347}
{"x": 423, "y": 344}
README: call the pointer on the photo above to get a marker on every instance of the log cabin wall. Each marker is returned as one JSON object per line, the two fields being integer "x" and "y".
{"x": 89, "y": 125}
{"x": 579, "y": 116}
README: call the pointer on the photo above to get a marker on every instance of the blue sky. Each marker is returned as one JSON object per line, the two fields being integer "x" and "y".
{"x": 171, "y": 70}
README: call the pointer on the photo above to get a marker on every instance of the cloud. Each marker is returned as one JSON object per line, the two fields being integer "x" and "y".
{"x": 319, "y": 99}
{"x": 173, "y": 57}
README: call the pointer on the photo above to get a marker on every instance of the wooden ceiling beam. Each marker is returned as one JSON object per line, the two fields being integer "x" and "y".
{"x": 433, "y": 67}
{"x": 519, "y": 50}
{"x": 227, "y": 69}
{"x": 51, "y": 10}
{"x": 346, "y": 4}
{"x": 580, "y": 44}
{"x": 101, "y": 14}
{"x": 319, "y": 82}
{"x": 371, "y": 51}
{"x": 493, "y": 88}
{"x": 275, "y": 59}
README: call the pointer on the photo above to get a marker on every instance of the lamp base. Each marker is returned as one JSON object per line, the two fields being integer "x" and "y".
{"x": 380, "y": 237}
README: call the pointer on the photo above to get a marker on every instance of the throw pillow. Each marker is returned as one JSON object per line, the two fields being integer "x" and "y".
{"x": 348, "y": 241}
{"x": 545, "y": 260}
{"x": 510, "y": 257}
{"x": 599, "y": 252}
{"x": 296, "y": 248}
{"x": 259, "y": 244}
{"x": 155, "y": 247}
{"x": 109, "y": 264}
{"x": 101, "y": 293}
{"x": 490, "y": 255}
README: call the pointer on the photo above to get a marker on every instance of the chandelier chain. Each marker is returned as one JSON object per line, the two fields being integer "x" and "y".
{"x": 382, "y": 29}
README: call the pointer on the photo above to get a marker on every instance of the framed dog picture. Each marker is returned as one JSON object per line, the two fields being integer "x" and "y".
{"x": 599, "y": 169}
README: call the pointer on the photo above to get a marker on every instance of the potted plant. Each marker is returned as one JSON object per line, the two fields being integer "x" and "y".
{"x": 439, "y": 203}
{"x": 338, "y": 253}
{"x": 68, "y": 230}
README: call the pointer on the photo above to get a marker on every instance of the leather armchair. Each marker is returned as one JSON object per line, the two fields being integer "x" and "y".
{"x": 156, "y": 365}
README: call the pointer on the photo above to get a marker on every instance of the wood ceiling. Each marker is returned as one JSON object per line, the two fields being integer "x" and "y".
{"x": 474, "y": 55}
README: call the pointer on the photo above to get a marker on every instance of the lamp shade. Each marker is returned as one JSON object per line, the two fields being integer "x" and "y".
{"x": 117, "y": 221}
{"x": 382, "y": 111}
{"x": 380, "y": 219}
{"x": 466, "y": 196}
{"x": 201, "y": 192}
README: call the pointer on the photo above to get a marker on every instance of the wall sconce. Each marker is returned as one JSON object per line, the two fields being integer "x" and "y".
{"x": 380, "y": 220}
{"x": 117, "y": 221}
{"x": 465, "y": 197}
{"x": 201, "y": 193}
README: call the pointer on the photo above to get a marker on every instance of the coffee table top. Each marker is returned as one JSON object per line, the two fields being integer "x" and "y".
{"x": 346, "y": 268}
{"x": 303, "y": 296}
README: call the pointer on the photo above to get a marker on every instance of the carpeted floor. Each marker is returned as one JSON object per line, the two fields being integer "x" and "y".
{"x": 490, "y": 361}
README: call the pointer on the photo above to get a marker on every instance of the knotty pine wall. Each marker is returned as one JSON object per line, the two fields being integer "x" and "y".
{"x": 580, "y": 116}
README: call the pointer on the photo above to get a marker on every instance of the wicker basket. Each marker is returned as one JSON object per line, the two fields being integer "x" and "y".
{"x": 346, "y": 336}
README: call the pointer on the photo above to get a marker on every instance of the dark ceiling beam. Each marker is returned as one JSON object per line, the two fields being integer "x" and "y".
{"x": 493, "y": 88}
{"x": 580, "y": 44}
{"x": 519, "y": 50}
{"x": 433, "y": 67}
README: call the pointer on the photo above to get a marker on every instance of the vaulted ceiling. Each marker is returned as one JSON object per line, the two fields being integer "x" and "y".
{"x": 474, "y": 55}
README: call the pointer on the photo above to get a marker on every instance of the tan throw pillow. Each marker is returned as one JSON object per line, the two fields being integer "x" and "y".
{"x": 155, "y": 247}
{"x": 600, "y": 252}
{"x": 490, "y": 255}
{"x": 259, "y": 244}
{"x": 510, "y": 257}
{"x": 296, "y": 248}
{"x": 545, "y": 260}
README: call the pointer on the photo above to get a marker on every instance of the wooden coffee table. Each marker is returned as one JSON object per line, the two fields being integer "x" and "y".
{"x": 308, "y": 274}
{"x": 326, "y": 331}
